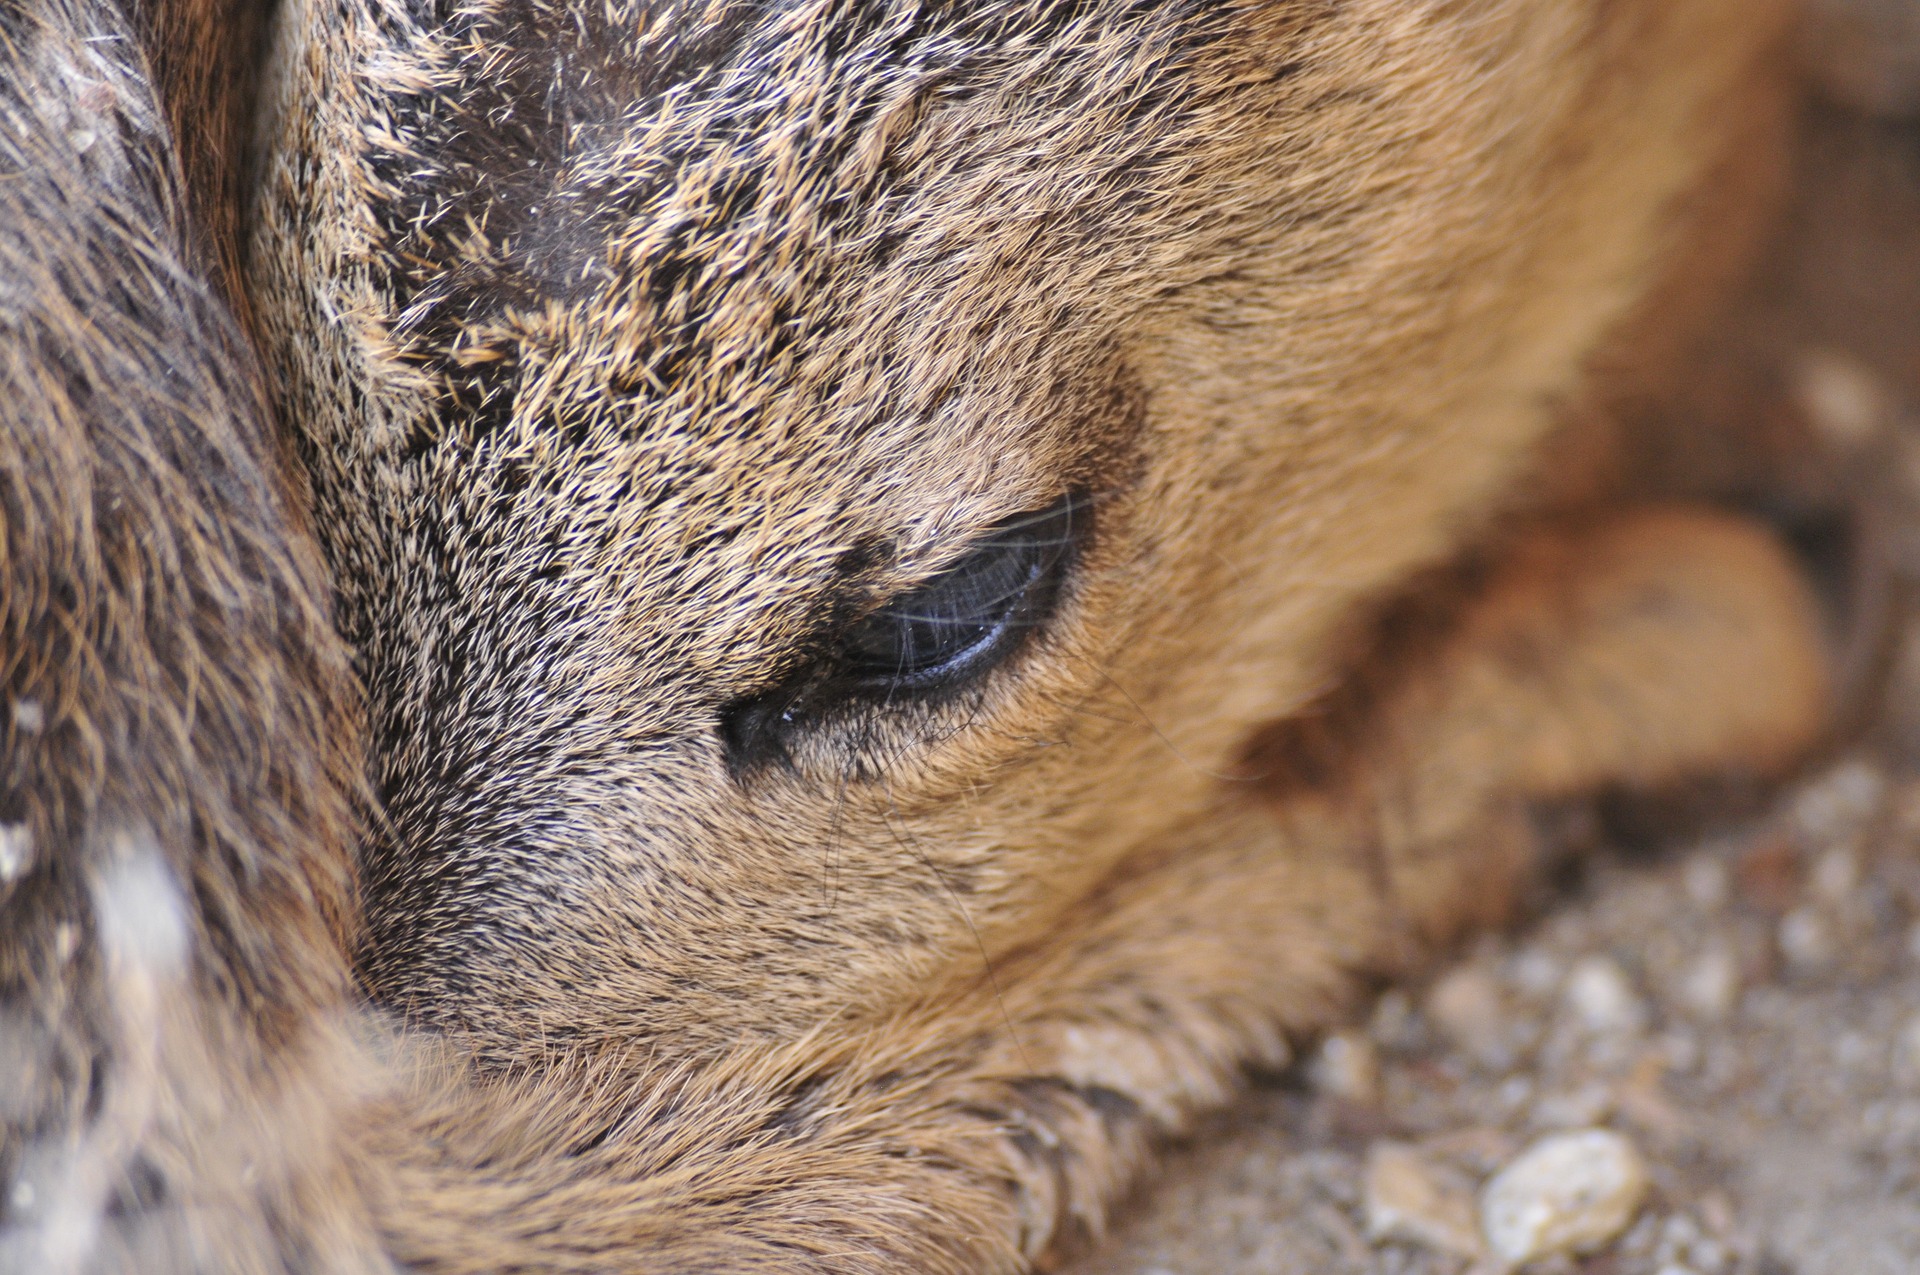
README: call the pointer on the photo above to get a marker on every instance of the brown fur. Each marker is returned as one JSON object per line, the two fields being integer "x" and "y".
{"x": 634, "y": 355}
{"x": 178, "y": 718}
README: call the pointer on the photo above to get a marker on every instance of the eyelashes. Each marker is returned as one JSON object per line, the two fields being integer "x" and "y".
{"x": 932, "y": 641}
{"x": 970, "y": 613}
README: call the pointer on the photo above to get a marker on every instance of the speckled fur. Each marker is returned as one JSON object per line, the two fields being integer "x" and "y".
{"x": 629, "y": 350}
{"x": 178, "y": 724}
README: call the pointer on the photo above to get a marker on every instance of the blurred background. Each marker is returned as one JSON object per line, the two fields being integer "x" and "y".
{"x": 1701, "y": 1056}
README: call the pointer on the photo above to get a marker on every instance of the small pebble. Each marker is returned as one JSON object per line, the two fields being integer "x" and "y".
{"x": 1533, "y": 972}
{"x": 1681, "y": 1050}
{"x": 1601, "y": 996}
{"x": 1716, "y": 1210}
{"x": 1569, "y": 1193}
{"x": 1852, "y": 1051}
{"x": 1685, "y": 1246}
{"x": 1478, "y": 1148}
{"x": 1769, "y": 875}
{"x": 1806, "y": 940}
{"x": 1410, "y": 1198}
{"x": 1837, "y": 875}
{"x": 1709, "y": 987}
{"x": 1574, "y": 1108}
{"x": 1514, "y": 1092}
{"x": 1466, "y": 1006}
{"x": 1840, "y": 801}
{"x": 1348, "y": 1067}
{"x": 1707, "y": 882}
{"x": 1642, "y": 1098}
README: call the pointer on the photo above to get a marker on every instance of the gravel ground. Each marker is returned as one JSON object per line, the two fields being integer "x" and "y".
{"x": 1746, "y": 1014}
{"x": 1739, "y": 1009}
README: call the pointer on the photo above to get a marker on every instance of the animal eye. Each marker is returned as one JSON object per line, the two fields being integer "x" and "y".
{"x": 936, "y": 637}
{"x": 971, "y": 613}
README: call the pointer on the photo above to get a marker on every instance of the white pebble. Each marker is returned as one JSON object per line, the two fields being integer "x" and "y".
{"x": 1568, "y": 1193}
{"x": 1716, "y": 1210}
{"x": 1852, "y": 1051}
{"x": 1601, "y": 996}
{"x": 1806, "y": 940}
{"x": 1685, "y": 1247}
{"x": 1409, "y": 1199}
{"x": 1533, "y": 971}
{"x": 1466, "y": 1006}
{"x": 1840, "y": 801}
{"x": 1681, "y": 1050}
{"x": 1837, "y": 874}
{"x": 1707, "y": 882}
{"x": 1514, "y": 1092}
{"x": 1710, "y": 984}
{"x": 1348, "y": 1067}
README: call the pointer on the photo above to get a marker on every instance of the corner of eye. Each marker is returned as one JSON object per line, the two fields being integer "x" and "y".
{"x": 753, "y": 736}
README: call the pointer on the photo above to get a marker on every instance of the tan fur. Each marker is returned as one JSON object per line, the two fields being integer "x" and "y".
{"x": 634, "y": 354}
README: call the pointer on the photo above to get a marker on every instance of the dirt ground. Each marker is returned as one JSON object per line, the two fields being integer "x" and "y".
{"x": 1742, "y": 1003}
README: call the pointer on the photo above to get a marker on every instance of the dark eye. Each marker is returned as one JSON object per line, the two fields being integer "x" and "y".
{"x": 937, "y": 637}
{"x": 972, "y": 613}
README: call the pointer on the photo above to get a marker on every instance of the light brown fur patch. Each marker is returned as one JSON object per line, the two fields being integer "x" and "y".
{"x": 637, "y": 354}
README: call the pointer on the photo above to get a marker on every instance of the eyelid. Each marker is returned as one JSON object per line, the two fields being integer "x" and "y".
{"x": 982, "y": 597}
{"x": 1039, "y": 556}
{"x": 760, "y": 728}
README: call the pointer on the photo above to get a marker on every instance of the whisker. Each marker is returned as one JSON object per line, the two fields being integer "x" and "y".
{"x": 912, "y": 846}
{"x": 1158, "y": 734}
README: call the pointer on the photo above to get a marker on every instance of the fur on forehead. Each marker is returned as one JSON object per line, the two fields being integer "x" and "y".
{"x": 727, "y": 248}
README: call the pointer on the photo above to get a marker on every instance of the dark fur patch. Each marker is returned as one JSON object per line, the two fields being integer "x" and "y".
{"x": 559, "y": 145}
